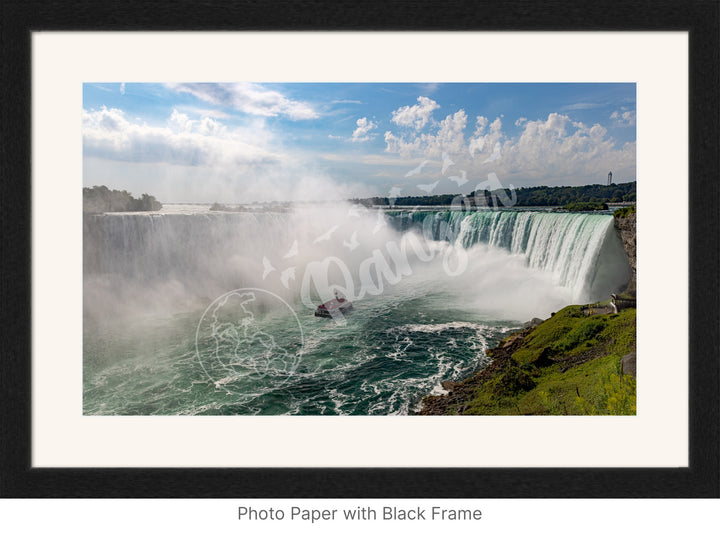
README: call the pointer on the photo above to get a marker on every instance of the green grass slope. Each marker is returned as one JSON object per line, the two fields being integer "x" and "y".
{"x": 569, "y": 364}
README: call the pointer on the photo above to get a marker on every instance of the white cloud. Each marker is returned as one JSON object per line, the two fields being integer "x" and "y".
{"x": 179, "y": 121}
{"x": 190, "y": 159}
{"x": 551, "y": 149}
{"x": 449, "y": 138}
{"x": 108, "y": 134}
{"x": 623, "y": 117}
{"x": 557, "y": 148}
{"x": 416, "y": 116}
{"x": 397, "y": 145}
{"x": 486, "y": 142}
{"x": 248, "y": 98}
{"x": 496, "y": 155}
{"x": 362, "y": 132}
{"x": 520, "y": 121}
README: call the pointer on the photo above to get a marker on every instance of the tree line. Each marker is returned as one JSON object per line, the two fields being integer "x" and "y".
{"x": 527, "y": 196}
{"x": 99, "y": 199}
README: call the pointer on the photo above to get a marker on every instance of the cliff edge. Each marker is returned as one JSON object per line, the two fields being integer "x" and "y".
{"x": 625, "y": 224}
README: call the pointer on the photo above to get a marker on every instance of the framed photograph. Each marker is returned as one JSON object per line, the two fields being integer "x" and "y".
{"x": 268, "y": 260}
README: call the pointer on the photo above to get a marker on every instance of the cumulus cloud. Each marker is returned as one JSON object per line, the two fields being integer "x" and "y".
{"x": 248, "y": 98}
{"x": 362, "y": 132}
{"x": 483, "y": 141}
{"x": 549, "y": 149}
{"x": 396, "y": 145}
{"x": 623, "y": 117}
{"x": 416, "y": 116}
{"x": 449, "y": 138}
{"x": 107, "y": 133}
{"x": 557, "y": 147}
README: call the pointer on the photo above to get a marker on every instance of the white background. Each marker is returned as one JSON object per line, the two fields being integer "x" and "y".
{"x": 657, "y": 436}
{"x": 499, "y": 517}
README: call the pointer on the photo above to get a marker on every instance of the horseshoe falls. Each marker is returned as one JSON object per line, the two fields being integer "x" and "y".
{"x": 581, "y": 250}
{"x": 194, "y": 312}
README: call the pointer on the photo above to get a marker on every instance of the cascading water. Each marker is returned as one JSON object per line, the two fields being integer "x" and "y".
{"x": 582, "y": 251}
{"x": 157, "y": 339}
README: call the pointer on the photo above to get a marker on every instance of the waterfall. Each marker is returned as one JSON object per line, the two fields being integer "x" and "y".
{"x": 152, "y": 245}
{"x": 159, "y": 262}
{"x": 172, "y": 258}
{"x": 581, "y": 250}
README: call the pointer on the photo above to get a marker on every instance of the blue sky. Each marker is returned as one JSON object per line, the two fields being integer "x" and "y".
{"x": 242, "y": 142}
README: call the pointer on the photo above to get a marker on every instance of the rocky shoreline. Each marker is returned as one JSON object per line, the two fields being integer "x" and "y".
{"x": 501, "y": 362}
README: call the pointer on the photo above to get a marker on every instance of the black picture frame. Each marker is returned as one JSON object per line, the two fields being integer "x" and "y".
{"x": 700, "y": 18}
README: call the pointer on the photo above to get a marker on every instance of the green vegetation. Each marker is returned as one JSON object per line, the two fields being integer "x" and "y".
{"x": 531, "y": 196}
{"x": 569, "y": 364}
{"x": 563, "y": 195}
{"x": 427, "y": 200}
{"x": 100, "y": 199}
{"x": 585, "y": 206}
{"x": 624, "y": 212}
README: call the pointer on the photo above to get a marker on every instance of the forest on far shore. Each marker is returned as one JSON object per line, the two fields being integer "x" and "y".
{"x": 529, "y": 196}
{"x": 98, "y": 199}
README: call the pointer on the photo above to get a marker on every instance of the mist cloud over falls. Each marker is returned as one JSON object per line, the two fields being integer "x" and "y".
{"x": 167, "y": 263}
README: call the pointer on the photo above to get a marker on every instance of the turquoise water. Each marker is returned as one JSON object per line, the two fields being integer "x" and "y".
{"x": 179, "y": 322}
{"x": 383, "y": 361}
